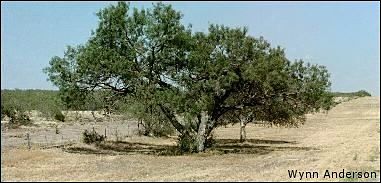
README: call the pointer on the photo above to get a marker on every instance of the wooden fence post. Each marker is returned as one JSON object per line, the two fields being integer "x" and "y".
{"x": 28, "y": 138}
{"x": 116, "y": 134}
{"x": 128, "y": 130}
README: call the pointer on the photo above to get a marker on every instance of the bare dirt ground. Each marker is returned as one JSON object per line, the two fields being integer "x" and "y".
{"x": 348, "y": 137}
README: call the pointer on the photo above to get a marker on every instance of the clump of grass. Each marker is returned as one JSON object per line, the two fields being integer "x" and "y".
{"x": 355, "y": 157}
{"x": 373, "y": 156}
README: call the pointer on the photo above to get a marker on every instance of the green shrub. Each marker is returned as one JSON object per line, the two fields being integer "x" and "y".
{"x": 90, "y": 137}
{"x": 59, "y": 116}
{"x": 15, "y": 112}
{"x": 20, "y": 119}
{"x": 187, "y": 143}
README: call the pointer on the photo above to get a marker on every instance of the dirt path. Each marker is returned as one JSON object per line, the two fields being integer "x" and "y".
{"x": 348, "y": 137}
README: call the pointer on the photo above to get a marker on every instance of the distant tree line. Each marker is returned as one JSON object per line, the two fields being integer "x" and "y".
{"x": 360, "y": 93}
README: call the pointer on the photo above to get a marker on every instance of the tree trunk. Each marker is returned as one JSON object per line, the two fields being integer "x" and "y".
{"x": 200, "y": 139}
{"x": 242, "y": 131}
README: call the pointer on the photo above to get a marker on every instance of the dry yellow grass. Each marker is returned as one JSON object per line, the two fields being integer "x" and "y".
{"x": 348, "y": 137}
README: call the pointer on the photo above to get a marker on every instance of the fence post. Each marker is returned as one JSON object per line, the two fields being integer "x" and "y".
{"x": 116, "y": 134}
{"x": 28, "y": 138}
{"x": 105, "y": 133}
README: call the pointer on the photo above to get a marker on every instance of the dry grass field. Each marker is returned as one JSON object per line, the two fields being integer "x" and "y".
{"x": 348, "y": 137}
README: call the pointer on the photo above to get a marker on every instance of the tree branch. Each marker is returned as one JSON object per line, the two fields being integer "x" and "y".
{"x": 172, "y": 118}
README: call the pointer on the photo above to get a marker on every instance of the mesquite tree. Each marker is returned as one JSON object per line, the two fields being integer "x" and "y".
{"x": 195, "y": 81}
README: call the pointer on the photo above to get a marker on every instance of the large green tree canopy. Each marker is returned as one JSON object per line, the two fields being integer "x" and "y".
{"x": 196, "y": 80}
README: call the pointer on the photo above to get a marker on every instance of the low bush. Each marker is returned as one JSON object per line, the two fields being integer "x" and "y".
{"x": 186, "y": 143}
{"x": 59, "y": 116}
{"x": 16, "y": 114}
{"x": 90, "y": 137}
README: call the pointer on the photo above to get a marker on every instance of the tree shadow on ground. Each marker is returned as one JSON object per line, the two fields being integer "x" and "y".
{"x": 123, "y": 147}
{"x": 253, "y": 141}
{"x": 221, "y": 146}
{"x": 255, "y": 146}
